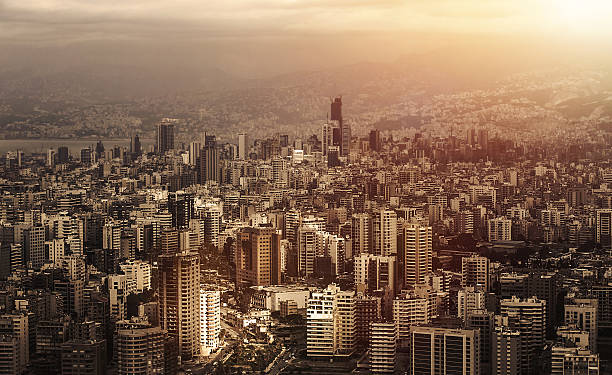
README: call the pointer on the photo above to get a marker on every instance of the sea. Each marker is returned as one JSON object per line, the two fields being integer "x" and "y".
{"x": 31, "y": 146}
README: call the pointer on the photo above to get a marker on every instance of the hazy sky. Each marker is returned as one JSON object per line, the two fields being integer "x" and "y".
{"x": 245, "y": 35}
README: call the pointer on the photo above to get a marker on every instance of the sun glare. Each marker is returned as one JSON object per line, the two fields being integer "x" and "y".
{"x": 585, "y": 15}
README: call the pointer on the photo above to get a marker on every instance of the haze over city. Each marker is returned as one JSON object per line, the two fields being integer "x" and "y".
{"x": 408, "y": 187}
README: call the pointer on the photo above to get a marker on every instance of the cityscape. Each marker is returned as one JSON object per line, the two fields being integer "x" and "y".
{"x": 407, "y": 216}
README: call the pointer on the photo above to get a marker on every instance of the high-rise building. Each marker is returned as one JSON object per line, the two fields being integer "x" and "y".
{"x": 34, "y": 245}
{"x": 499, "y": 229}
{"x": 165, "y": 135}
{"x": 530, "y": 308}
{"x": 117, "y": 296}
{"x": 212, "y": 224}
{"x": 360, "y": 234}
{"x": 14, "y": 337}
{"x": 86, "y": 156}
{"x": 375, "y": 142}
{"x": 83, "y": 357}
{"x": 210, "y": 320}
{"x": 138, "y": 274}
{"x": 195, "y": 149}
{"x": 573, "y": 361}
{"x": 506, "y": 346}
{"x": 383, "y": 345}
{"x": 582, "y": 313}
{"x": 375, "y": 272}
{"x": 51, "y": 158}
{"x": 603, "y": 228}
{"x": 135, "y": 146}
{"x": 140, "y": 350}
{"x": 418, "y": 253}
{"x": 384, "y": 233}
{"x": 444, "y": 351}
{"x": 415, "y": 307}
{"x": 180, "y": 205}
{"x": 179, "y": 300}
{"x": 528, "y": 317}
{"x": 484, "y": 322}
{"x": 307, "y": 250}
{"x": 475, "y": 272}
{"x": 62, "y": 155}
{"x": 326, "y": 137}
{"x": 330, "y": 329}
{"x": 243, "y": 146}
{"x": 258, "y": 256}
{"x": 469, "y": 299}
{"x": 368, "y": 309}
{"x": 208, "y": 163}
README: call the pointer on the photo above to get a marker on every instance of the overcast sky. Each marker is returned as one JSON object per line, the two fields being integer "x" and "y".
{"x": 230, "y": 31}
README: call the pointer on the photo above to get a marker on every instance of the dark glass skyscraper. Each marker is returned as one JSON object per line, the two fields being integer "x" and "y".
{"x": 165, "y": 135}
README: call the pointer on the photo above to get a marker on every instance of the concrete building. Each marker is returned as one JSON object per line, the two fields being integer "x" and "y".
{"x": 484, "y": 321}
{"x": 210, "y": 320}
{"x": 165, "y": 135}
{"x": 475, "y": 271}
{"x": 258, "y": 257}
{"x": 140, "y": 350}
{"x": 179, "y": 300}
{"x": 14, "y": 333}
{"x": 271, "y": 297}
{"x": 444, "y": 351}
{"x": 330, "y": 323}
{"x": 383, "y": 345}
{"x": 499, "y": 229}
{"x": 375, "y": 272}
{"x": 138, "y": 274}
{"x": 582, "y": 314}
{"x": 506, "y": 349}
{"x": 470, "y": 299}
{"x": 360, "y": 234}
{"x": 418, "y": 253}
{"x": 603, "y": 228}
{"x": 412, "y": 308}
{"x": 84, "y": 357}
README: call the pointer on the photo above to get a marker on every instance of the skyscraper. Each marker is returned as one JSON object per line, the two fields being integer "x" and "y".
{"x": 307, "y": 250}
{"x": 331, "y": 323}
{"x": 418, "y": 253}
{"x": 34, "y": 245}
{"x": 62, "y": 155}
{"x": 475, "y": 272}
{"x": 360, "y": 234}
{"x": 258, "y": 256}
{"x": 195, "y": 148}
{"x": 507, "y": 348}
{"x": 180, "y": 205}
{"x": 375, "y": 142}
{"x": 444, "y": 351}
{"x": 210, "y": 320}
{"x": 343, "y": 126}
{"x": 179, "y": 300}
{"x": 326, "y": 137}
{"x": 135, "y": 146}
{"x": 603, "y": 226}
{"x": 243, "y": 146}
{"x": 140, "y": 350}
{"x": 384, "y": 233}
{"x": 208, "y": 164}
{"x": 383, "y": 343}
{"x": 14, "y": 330}
{"x": 165, "y": 135}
